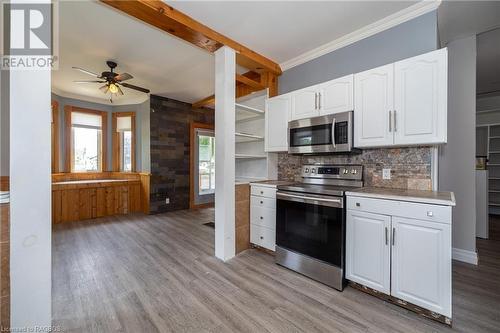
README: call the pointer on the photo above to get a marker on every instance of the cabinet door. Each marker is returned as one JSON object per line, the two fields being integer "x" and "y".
{"x": 336, "y": 95}
{"x": 368, "y": 251}
{"x": 277, "y": 114}
{"x": 373, "y": 100}
{"x": 421, "y": 263}
{"x": 421, "y": 88}
{"x": 305, "y": 103}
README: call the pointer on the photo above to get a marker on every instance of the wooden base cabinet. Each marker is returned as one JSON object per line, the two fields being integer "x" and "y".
{"x": 402, "y": 256}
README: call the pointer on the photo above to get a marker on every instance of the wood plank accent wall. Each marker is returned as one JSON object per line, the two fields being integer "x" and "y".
{"x": 4, "y": 259}
{"x": 85, "y": 196}
{"x": 242, "y": 217}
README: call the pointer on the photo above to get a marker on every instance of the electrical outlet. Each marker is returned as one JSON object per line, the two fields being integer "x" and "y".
{"x": 386, "y": 174}
{"x": 167, "y": 200}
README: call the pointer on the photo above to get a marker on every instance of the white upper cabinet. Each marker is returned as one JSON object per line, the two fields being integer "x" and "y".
{"x": 336, "y": 95}
{"x": 277, "y": 113}
{"x": 373, "y": 102}
{"x": 305, "y": 103}
{"x": 368, "y": 250}
{"x": 420, "y": 106}
{"x": 421, "y": 269}
{"x": 402, "y": 104}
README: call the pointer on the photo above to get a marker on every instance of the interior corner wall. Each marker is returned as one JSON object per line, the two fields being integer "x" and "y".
{"x": 142, "y": 128}
{"x": 406, "y": 40}
{"x": 4, "y": 123}
{"x": 457, "y": 157}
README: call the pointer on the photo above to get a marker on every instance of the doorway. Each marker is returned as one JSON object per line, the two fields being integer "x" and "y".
{"x": 202, "y": 137}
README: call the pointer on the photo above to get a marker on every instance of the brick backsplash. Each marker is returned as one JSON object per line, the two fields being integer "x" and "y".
{"x": 410, "y": 167}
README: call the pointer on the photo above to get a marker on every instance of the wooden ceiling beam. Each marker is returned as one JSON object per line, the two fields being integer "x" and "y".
{"x": 168, "y": 19}
{"x": 205, "y": 101}
{"x": 249, "y": 82}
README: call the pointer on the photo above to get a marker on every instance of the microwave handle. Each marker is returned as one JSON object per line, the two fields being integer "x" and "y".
{"x": 333, "y": 133}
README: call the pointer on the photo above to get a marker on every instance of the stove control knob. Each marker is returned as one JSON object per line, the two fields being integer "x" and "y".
{"x": 307, "y": 170}
{"x": 346, "y": 171}
{"x": 354, "y": 171}
{"x": 313, "y": 170}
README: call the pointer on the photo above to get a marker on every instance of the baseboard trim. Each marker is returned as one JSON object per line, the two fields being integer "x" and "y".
{"x": 466, "y": 256}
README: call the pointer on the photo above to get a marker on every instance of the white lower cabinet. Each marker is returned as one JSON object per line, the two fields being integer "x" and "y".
{"x": 368, "y": 251}
{"x": 263, "y": 216}
{"x": 401, "y": 256}
{"x": 421, "y": 263}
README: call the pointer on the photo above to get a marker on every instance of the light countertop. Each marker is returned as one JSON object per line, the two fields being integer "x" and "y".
{"x": 428, "y": 197}
{"x": 271, "y": 183}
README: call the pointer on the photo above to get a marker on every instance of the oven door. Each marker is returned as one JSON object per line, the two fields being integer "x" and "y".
{"x": 325, "y": 134}
{"x": 312, "y": 225}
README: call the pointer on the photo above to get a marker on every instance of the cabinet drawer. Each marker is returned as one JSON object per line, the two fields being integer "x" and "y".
{"x": 263, "y": 191}
{"x": 263, "y": 236}
{"x": 426, "y": 212}
{"x": 265, "y": 217}
{"x": 263, "y": 202}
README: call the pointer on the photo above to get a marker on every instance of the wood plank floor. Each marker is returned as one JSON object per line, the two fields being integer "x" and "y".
{"x": 158, "y": 273}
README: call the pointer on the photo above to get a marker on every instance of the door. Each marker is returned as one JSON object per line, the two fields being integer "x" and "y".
{"x": 277, "y": 114}
{"x": 368, "y": 250}
{"x": 421, "y": 88}
{"x": 204, "y": 166}
{"x": 311, "y": 225}
{"x": 337, "y": 95}
{"x": 421, "y": 264}
{"x": 305, "y": 103}
{"x": 373, "y": 100}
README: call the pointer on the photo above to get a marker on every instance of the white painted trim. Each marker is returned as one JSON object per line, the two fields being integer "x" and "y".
{"x": 466, "y": 256}
{"x": 418, "y": 9}
{"x": 435, "y": 168}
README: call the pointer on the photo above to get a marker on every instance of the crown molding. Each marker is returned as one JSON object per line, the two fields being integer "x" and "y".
{"x": 388, "y": 22}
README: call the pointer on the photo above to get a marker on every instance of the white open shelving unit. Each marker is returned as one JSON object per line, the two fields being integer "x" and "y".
{"x": 252, "y": 162}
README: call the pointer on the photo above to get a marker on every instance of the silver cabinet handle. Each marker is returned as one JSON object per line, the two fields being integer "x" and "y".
{"x": 358, "y": 204}
{"x": 390, "y": 121}
{"x": 430, "y": 214}
{"x": 319, "y": 100}
{"x": 395, "y": 122}
{"x": 333, "y": 133}
{"x": 386, "y": 238}
{"x": 393, "y": 236}
{"x": 315, "y": 101}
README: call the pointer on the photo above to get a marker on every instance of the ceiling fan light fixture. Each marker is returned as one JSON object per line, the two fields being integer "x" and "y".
{"x": 113, "y": 88}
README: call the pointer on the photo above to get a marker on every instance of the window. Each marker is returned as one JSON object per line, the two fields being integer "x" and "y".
{"x": 206, "y": 164}
{"x": 123, "y": 141}
{"x": 85, "y": 137}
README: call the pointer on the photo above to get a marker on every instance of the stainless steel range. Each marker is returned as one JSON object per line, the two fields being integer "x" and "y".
{"x": 310, "y": 222}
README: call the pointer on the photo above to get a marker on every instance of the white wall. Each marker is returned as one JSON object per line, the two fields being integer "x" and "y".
{"x": 457, "y": 157}
{"x": 30, "y": 198}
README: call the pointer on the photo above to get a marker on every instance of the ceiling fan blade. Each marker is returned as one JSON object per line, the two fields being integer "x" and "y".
{"x": 94, "y": 81}
{"x": 123, "y": 77}
{"x": 120, "y": 92}
{"x": 86, "y": 71}
{"x": 131, "y": 86}
{"x": 104, "y": 88}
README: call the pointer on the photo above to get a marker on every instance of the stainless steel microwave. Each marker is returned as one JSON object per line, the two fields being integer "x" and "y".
{"x": 324, "y": 134}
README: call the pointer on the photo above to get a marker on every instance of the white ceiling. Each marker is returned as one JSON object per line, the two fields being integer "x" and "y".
{"x": 91, "y": 33}
{"x": 283, "y": 30}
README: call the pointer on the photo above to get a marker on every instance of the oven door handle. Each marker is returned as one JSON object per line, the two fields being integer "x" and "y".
{"x": 310, "y": 200}
{"x": 333, "y": 133}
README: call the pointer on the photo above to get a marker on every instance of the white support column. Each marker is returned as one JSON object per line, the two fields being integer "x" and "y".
{"x": 225, "y": 70}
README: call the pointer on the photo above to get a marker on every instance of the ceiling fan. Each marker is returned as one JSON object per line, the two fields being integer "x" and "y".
{"x": 112, "y": 81}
